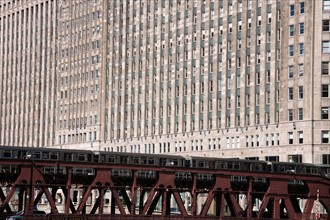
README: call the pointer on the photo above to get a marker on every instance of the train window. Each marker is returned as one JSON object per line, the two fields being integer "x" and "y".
{"x": 175, "y": 162}
{"x": 20, "y": 153}
{"x": 230, "y": 165}
{"x": 302, "y": 170}
{"x": 223, "y": 165}
{"x": 162, "y": 162}
{"x": 236, "y": 166}
{"x": 45, "y": 155}
{"x": 187, "y": 163}
{"x": 89, "y": 157}
{"x": 136, "y": 160}
{"x": 258, "y": 167}
{"x": 123, "y": 160}
{"x": 151, "y": 161}
{"x": 201, "y": 163}
{"x": 53, "y": 156}
{"x": 81, "y": 157}
{"x": 7, "y": 153}
{"x": 111, "y": 159}
{"x": 143, "y": 160}
{"x": 37, "y": 155}
{"x": 67, "y": 156}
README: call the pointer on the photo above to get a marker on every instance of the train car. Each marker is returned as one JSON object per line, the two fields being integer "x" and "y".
{"x": 52, "y": 154}
{"x": 141, "y": 159}
{"x": 38, "y": 153}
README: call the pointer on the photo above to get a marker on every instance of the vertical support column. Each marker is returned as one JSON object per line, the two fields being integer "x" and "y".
{"x": 276, "y": 209}
{"x": 218, "y": 204}
{"x": 194, "y": 196}
{"x": 141, "y": 200}
{"x": 101, "y": 196}
{"x": 249, "y": 200}
{"x": 133, "y": 191}
{"x": 68, "y": 191}
{"x": 164, "y": 203}
{"x": 28, "y": 210}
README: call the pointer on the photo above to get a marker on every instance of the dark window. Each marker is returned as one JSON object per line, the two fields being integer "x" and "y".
{"x": 325, "y": 137}
{"x": 302, "y": 7}
{"x": 290, "y": 134}
{"x": 272, "y": 158}
{"x": 251, "y": 158}
{"x": 7, "y": 153}
{"x": 291, "y": 10}
{"x": 325, "y": 158}
{"x": 300, "y": 137}
{"x": 325, "y": 112}
{"x": 325, "y": 25}
{"x": 325, "y": 90}
{"x": 325, "y": 68}
{"x": 296, "y": 158}
{"x": 81, "y": 157}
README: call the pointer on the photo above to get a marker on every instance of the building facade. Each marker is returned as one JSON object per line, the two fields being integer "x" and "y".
{"x": 246, "y": 79}
{"x": 27, "y": 72}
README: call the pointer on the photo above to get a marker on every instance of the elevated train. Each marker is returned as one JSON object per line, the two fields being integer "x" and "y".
{"x": 52, "y": 154}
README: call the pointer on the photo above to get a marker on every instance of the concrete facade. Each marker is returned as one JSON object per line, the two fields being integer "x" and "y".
{"x": 246, "y": 79}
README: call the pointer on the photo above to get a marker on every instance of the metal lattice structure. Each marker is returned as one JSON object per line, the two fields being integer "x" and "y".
{"x": 150, "y": 195}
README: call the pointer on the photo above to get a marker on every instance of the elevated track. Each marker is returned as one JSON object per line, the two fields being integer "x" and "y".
{"x": 149, "y": 192}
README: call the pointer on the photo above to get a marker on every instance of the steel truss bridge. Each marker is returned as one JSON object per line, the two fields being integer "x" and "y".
{"x": 137, "y": 196}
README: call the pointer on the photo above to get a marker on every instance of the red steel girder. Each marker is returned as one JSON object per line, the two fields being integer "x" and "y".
{"x": 275, "y": 198}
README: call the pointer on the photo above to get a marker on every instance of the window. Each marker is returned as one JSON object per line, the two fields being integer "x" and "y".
{"x": 325, "y": 47}
{"x": 326, "y": 4}
{"x": 269, "y": 18}
{"x": 300, "y": 137}
{"x": 291, "y": 50}
{"x": 300, "y": 114}
{"x": 239, "y": 25}
{"x": 325, "y": 137}
{"x": 272, "y": 158}
{"x": 325, "y": 158}
{"x": 290, "y": 72}
{"x": 300, "y": 69}
{"x": 249, "y": 23}
{"x": 290, "y": 92}
{"x": 325, "y": 90}
{"x": 325, "y": 25}
{"x": 291, "y": 30}
{"x": 300, "y": 92}
{"x": 325, "y": 68}
{"x": 302, "y": 7}
{"x": 301, "y": 48}
{"x": 325, "y": 113}
{"x": 301, "y": 28}
{"x": 296, "y": 158}
{"x": 258, "y": 39}
{"x": 290, "y": 114}
{"x": 290, "y": 136}
{"x": 291, "y": 11}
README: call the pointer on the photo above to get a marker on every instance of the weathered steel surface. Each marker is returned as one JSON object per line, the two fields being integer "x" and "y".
{"x": 132, "y": 197}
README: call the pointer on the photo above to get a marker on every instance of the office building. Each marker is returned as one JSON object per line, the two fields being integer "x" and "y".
{"x": 246, "y": 79}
